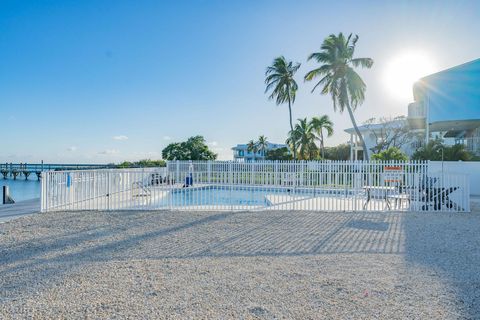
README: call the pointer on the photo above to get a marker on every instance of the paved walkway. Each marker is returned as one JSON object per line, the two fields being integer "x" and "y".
{"x": 12, "y": 211}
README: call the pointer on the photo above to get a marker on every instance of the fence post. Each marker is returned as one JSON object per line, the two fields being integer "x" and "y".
{"x": 275, "y": 173}
{"x": 177, "y": 172}
{"x": 252, "y": 177}
{"x": 209, "y": 171}
{"x": 329, "y": 174}
{"x": 42, "y": 194}
{"x": 108, "y": 190}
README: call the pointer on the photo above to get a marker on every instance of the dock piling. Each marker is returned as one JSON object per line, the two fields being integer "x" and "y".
{"x": 7, "y": 199}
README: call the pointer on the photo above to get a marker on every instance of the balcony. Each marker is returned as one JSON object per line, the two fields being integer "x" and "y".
{"x": 416, "y": 110}
{"x": 416, "y": 115}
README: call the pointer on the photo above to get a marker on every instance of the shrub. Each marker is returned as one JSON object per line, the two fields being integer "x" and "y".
{"x": 434, "y": 149}
{"x": 279, "y": 154}
{"x": 392, "y": 153}
{"x": 340, "y": 152}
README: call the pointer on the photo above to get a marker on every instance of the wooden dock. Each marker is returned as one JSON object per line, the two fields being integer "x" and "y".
{"x": 14, "y": 170}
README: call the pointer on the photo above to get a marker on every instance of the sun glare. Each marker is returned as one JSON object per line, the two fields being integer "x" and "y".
{"x": 404, "y": 70}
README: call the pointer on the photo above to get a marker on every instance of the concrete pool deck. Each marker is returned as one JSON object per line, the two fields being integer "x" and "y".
{"x": 217, "y": 265}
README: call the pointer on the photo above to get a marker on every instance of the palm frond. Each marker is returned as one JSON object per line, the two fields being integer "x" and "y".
{"x": 362, "y": 62}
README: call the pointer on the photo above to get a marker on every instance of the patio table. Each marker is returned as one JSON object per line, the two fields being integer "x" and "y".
{"x": 383, "y": 190}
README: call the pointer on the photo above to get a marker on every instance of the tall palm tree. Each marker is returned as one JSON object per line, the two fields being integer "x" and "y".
{"x": 319, "y": 124}
{"x": 279, "y": 80}
{"x": 303, "y": 137}
{"x": 262, "y": 145}
{"x": 338, "y": 76}
{"x": 252, "y": 147}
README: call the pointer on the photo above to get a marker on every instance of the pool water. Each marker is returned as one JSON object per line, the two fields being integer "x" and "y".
{"x": 237, "y": 195}
{"x": 218, "y": 195}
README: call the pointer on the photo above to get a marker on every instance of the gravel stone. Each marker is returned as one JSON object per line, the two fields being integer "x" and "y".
{"x": 242, "y": 265}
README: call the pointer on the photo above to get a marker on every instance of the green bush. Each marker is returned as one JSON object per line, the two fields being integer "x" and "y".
{"x": 435, "y": 150}
{"x": 142, "y": 164}
{"x": 392, "y": 153}
{"x": 279, "y": 154}
{"x": 194, "y": 148}
{"x": 340, "y": 152}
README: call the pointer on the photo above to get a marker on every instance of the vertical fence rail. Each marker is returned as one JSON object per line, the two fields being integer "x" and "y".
{"x": 267, "y": 185}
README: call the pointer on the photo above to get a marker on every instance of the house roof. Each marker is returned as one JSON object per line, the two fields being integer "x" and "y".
{"x": 460, "y": 67}
{"x": 454, "y": 125}
{"x": 451, "y": 94}
{"x": 377, "y": 126}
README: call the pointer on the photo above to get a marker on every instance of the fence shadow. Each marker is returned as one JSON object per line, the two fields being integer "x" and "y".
{"x": 445, "y": 243}
{"x": 186, "y": 235}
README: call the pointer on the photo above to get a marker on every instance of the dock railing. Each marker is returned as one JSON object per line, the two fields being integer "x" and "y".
{"x": 266, "y": 185}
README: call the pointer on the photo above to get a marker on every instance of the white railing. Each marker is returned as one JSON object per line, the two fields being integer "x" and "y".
{"x": 227, "y": 185}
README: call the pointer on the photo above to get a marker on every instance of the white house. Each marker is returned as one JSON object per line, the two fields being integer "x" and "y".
{"x": 395, "y": 132}
{"x": 241, "y": 152}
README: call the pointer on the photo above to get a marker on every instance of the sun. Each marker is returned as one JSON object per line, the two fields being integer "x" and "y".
{"x": 404, "y": 70}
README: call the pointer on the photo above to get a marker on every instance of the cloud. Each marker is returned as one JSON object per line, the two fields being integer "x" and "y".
{"x": 72, "y": 149}
{"x": 213, "y": 143}
{"x": 120, "y": 138}
{"x": 109, "y": 151}
{"x": 167, "y": 138}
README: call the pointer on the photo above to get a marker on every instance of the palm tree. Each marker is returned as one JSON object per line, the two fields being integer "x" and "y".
{"x": 262, "y": 145}
{"x": 338, "y": 77}
{"x": 319, "y": 124}
{"x": 279, "y": 80}
{"x": 303, "y": 137}
{"x": 252, "y": 147}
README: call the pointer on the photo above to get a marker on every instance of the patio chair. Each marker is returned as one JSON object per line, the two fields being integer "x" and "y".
{"x": 156, "y": 179}
{"x": 435, "y": 197}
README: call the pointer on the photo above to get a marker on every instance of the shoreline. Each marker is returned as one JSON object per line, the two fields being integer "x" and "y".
{"x": 19, "y": 209}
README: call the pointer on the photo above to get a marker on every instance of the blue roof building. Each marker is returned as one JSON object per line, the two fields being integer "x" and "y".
{"x": 243, "y": 154}
{"x": 447, "y": 105}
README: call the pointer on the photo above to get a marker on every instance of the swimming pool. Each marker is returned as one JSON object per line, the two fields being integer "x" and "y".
{"x": 243, "y": 195}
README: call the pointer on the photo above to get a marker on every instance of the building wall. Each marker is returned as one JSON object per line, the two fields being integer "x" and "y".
{"x": 470, "y": 168}
{"x": 452, "y": 94}
{"x": 370, "y": 140}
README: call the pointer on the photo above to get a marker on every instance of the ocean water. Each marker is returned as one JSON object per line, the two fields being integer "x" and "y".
{"x": 21, "y": 189}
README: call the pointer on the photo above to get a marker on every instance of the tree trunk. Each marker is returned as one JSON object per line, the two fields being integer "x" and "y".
{"x": 291, "y": 127}
{"x": 322, "y": 146}
{"x": 364, "y": 146}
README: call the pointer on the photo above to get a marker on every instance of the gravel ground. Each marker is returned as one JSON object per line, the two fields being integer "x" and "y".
{"x": 247, "y": 265}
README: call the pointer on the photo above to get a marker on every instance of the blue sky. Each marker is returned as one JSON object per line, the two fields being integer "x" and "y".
{"x": 102, "y": 81}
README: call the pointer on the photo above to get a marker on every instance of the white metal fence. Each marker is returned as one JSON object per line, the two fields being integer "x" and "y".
{"x": 226, "y": 185}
